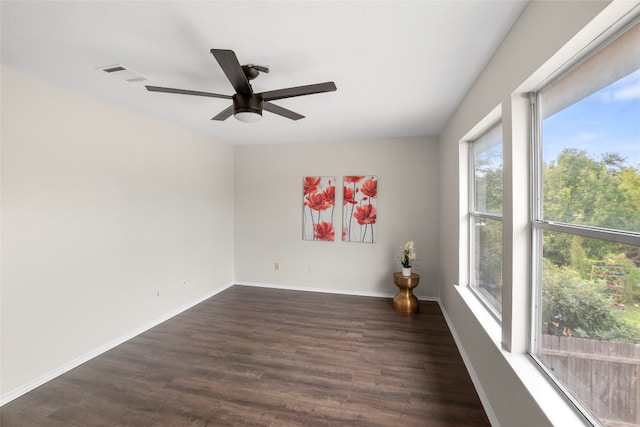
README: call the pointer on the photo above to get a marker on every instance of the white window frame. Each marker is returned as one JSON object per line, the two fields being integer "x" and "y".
{"x": 474, "y": 215}
{"x": 539, "y": 224}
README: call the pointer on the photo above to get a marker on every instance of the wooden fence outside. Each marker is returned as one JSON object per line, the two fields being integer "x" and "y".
{"x": 604, "y": 375}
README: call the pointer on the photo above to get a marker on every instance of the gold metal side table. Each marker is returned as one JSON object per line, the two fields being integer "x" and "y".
{"x": 405, "y": 301}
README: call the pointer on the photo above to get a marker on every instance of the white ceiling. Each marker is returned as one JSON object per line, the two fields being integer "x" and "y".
{"x": 401, "y": 68}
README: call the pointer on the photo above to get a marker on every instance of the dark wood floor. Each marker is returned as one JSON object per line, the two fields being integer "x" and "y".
{"x": 266, "y": 357}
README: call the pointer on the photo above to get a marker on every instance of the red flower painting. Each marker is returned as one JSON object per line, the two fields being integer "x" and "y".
{"x": 370, "y": 188}
{"x": 319, "y": 199}
{"x": 353, "y": 179}
{"x": 330, "y": 195}
{"x": 317, "y": 202}
{"x": 359, "y": 210}
{"x": 365, "y": 214}
{"x": 311, "y": 184}
{"x": 324, "y": 231}
{"x": 348, "y": 196}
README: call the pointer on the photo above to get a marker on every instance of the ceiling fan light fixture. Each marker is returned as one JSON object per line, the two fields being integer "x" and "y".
{"x": 247, "y": 108}
{"x": 248, "y": 116}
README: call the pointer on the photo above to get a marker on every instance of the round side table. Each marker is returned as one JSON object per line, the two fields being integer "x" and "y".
{"x": 405, "y": 301}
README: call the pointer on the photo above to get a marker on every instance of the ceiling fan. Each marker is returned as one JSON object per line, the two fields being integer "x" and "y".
{"x": 247, "y": 106}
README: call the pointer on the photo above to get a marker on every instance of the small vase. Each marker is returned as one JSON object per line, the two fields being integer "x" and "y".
{"x": 406, "y": 271}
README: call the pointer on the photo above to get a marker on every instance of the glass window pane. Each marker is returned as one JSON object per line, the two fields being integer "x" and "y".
{"x": 587, "y": 320}
{"x": 591, "y": 153}
{"x": 487, "y": 261}
{"x": 487, "y": 155}
{"x": 590, "y": 322}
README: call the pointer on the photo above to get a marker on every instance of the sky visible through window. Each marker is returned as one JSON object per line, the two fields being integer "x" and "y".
{"x": 608, "y": 121}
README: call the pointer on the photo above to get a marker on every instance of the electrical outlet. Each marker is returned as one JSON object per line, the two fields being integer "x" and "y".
{"x": 184, "y": 283}
{"x": 309, "y": 268}
{"x": 276, "y": 266}
{"x": 157, "y": 292}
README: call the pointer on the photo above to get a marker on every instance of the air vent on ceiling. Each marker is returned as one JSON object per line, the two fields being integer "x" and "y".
{"x": 123, "y": 73}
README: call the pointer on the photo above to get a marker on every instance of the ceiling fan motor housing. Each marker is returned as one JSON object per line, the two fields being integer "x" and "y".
{"x": 247, "y": 104}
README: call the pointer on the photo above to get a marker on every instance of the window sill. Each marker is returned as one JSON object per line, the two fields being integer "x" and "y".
{"x": 558, "y": 409}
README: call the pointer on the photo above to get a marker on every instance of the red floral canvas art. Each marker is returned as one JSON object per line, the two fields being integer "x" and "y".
{"x": 319, "y": 193}
{"x": 359, "y": 213}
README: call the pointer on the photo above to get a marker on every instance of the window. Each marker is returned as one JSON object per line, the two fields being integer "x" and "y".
{"x": 485, "y": 218}
{"x": 586, "y": 231}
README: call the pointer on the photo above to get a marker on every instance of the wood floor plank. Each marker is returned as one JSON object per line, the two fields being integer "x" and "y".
{"x": 267, "y": 357}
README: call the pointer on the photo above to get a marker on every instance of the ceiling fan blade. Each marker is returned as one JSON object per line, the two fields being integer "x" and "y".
{"x": 298, "y": 91}
{"x": 224, "y": 114}
{"x": 276, "y": 109}
{"x": 186, "y": 92}
{"x": 233, "y": 70}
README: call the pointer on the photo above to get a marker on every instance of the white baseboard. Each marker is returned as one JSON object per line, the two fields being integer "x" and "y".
{"x": 327, "y": 290}
{"x": 472, "y": 373}
{"x": 14, "y": 394}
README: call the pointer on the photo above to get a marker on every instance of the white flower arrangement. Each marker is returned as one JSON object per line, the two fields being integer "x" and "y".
{"x": 408, "y": 254}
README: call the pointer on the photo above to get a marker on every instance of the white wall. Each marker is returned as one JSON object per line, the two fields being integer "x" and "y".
{"x": 542, "y": 30}
{"x": 101, "y": 207}
{"x": 268, "y": 220}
